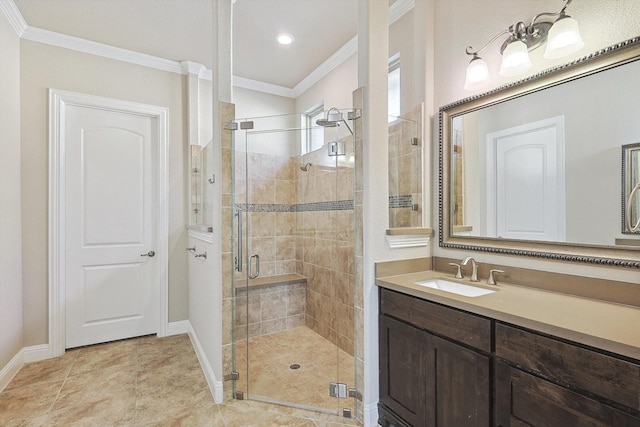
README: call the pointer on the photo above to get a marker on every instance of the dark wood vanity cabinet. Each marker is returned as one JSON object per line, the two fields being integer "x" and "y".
{"x": 428, "y": 379}
{"x": 523, "y": 399}
{"x": 440, "y": 366}
{"x": 543, "y": 381}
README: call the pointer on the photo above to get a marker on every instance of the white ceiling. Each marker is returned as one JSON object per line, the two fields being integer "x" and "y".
{"x": 183, "y": 30}
{"x": 319, "y": 27}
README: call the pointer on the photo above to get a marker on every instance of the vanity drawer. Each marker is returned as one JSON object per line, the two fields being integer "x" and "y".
{"x": 606, "y": 376}
{"x": 474, "y": 331}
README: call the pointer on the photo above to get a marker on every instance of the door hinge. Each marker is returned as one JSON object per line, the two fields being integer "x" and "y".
{"x": 338, "y": 390}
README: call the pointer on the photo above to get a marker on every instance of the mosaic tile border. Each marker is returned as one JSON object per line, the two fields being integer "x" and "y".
{"x": 339, "y": 205}
{"x": 404, "y": 201}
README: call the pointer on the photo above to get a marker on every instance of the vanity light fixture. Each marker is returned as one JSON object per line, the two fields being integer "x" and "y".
{"x": 557, "y": 29}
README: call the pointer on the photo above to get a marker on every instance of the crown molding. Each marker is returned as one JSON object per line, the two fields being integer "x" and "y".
{"x": 15, "y": 18}
{"x": 191, "y": 67}
{"x": 341, "y": 55}
{"x": 399, "y": 8}
{"x": 8, "y": 7}
{"x": 263, "y": 87}
{"x": 396, "y": 11}
{"x": 100, "y": 49}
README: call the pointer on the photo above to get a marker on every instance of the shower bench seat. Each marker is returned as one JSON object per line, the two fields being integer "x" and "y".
{"x": 267, "y": 281}
{"x": 270, "y": 304}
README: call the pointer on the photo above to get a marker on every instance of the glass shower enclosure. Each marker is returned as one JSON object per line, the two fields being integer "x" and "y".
{"x": 293, "y": 286}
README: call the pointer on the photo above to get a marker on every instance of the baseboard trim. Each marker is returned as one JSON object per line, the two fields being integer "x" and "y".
{"x": 177, "y": 328}
{"x": 215, "y": 386}
{"x": 36, "y": 353}
{"x": 11, "y": 369}
{"x": 371, "y": 415}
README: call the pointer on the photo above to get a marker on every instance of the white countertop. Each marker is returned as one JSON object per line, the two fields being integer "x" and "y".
{"x": 604, "y": 325}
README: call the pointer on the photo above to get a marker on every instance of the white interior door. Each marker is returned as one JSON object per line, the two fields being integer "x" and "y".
{"x": 525, "y": 182}
{"x": 112, "y": 289}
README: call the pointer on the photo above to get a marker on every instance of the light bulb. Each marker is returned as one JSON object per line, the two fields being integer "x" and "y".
{"x": 284, "y": 38}
{"x": 477, "y": 74}
{"x": 563, "y": 39}
{"x": 515, "y": 59}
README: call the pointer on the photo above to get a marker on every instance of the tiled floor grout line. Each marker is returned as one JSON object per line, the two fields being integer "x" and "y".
{"x": 64, "y": 381}
{"x": 162, "y": 353}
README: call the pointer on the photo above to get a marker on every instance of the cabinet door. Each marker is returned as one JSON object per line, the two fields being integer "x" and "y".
{"x": 522, "y": 399}
{"x": 459, "y": 386}
{"x": 403, "y": 370}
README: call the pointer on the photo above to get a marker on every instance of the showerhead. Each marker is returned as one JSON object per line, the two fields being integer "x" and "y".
{"x": 327, "y": 123}
{"x": 333, "y": 119}
{"x": 305, "y": 167}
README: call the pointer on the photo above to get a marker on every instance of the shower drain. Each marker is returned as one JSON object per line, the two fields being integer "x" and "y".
{"x": 295, "y": 366}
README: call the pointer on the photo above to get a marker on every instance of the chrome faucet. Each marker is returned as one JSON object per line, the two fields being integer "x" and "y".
{"x": 474, "y": 268}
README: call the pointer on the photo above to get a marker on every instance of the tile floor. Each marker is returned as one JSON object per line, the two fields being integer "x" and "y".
{"x": 145, "y": 381}
{"x": 270, "y": 376}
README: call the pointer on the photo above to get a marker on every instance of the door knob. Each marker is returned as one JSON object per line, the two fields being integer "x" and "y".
{"x": 150, "y": 254}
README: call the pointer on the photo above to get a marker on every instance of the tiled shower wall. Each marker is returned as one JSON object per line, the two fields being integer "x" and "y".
{"x": 405, "y": 170}
{"x": 302, "y": 222}
{"x": 317, "y": 234}
{"x": 270, "y": 210}
{"x": 325, "y": 255}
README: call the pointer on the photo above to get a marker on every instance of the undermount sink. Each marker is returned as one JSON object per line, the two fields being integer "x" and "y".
{"x": 454, "y": 287}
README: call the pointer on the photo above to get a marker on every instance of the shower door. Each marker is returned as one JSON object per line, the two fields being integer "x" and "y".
{"x": 294, "y": 285}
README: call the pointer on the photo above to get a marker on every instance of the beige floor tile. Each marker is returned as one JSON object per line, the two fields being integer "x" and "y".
{"x": 270, "y": 376}
{"x": 151, "y": 381}
{"x": 28, "y": 401}
{"x": 55, "y": 369}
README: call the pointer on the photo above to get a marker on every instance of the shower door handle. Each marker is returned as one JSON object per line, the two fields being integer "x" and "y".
{"x": 257, "y": 273}
{"x": 239, "y": 254}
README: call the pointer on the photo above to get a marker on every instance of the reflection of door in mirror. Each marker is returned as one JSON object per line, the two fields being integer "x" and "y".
{"x": 525, "y": 181}
{"x": 635, "y": 202}
{"x": 458, "y": 174}
{"x": 631, "y": 189}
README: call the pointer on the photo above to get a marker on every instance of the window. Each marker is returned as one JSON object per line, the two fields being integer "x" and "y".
{"x": 394, "y": 87}
{"x": 313, "y": 137}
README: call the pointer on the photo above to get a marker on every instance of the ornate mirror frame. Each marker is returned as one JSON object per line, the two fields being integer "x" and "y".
{"x": 618, "y": 256}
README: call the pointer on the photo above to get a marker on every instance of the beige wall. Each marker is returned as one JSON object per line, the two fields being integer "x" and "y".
{"x": 334, "y": 89}
{"x": 44, "y": 67}
{"x": 402, "y": 40}
{"x": 602, "y": 24}
{"x": 10, "y": 240}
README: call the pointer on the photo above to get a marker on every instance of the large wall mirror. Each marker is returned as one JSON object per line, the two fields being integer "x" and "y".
{"x": 533, "y": 168}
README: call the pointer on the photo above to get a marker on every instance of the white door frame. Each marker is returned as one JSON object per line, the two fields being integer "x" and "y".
{"x": 58, "y": 102}
{"x": 556, "y": 123}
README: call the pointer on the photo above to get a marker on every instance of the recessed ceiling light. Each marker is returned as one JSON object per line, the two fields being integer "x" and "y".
{"x": 284, "y": 38}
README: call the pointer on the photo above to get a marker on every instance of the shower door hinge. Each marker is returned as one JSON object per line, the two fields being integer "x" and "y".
{"x": 355, "y": 393}
{"x": 414, "y": 141}
{"x": 233, "y": 376}
{"x": 230, "y": 125}
{"x": 338, "y": 390}
{"x": 336, "y": 148}
{"x": 355, "y": 114}
{"x": 239, "y": 395}
{"x": 246, "y": 125}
